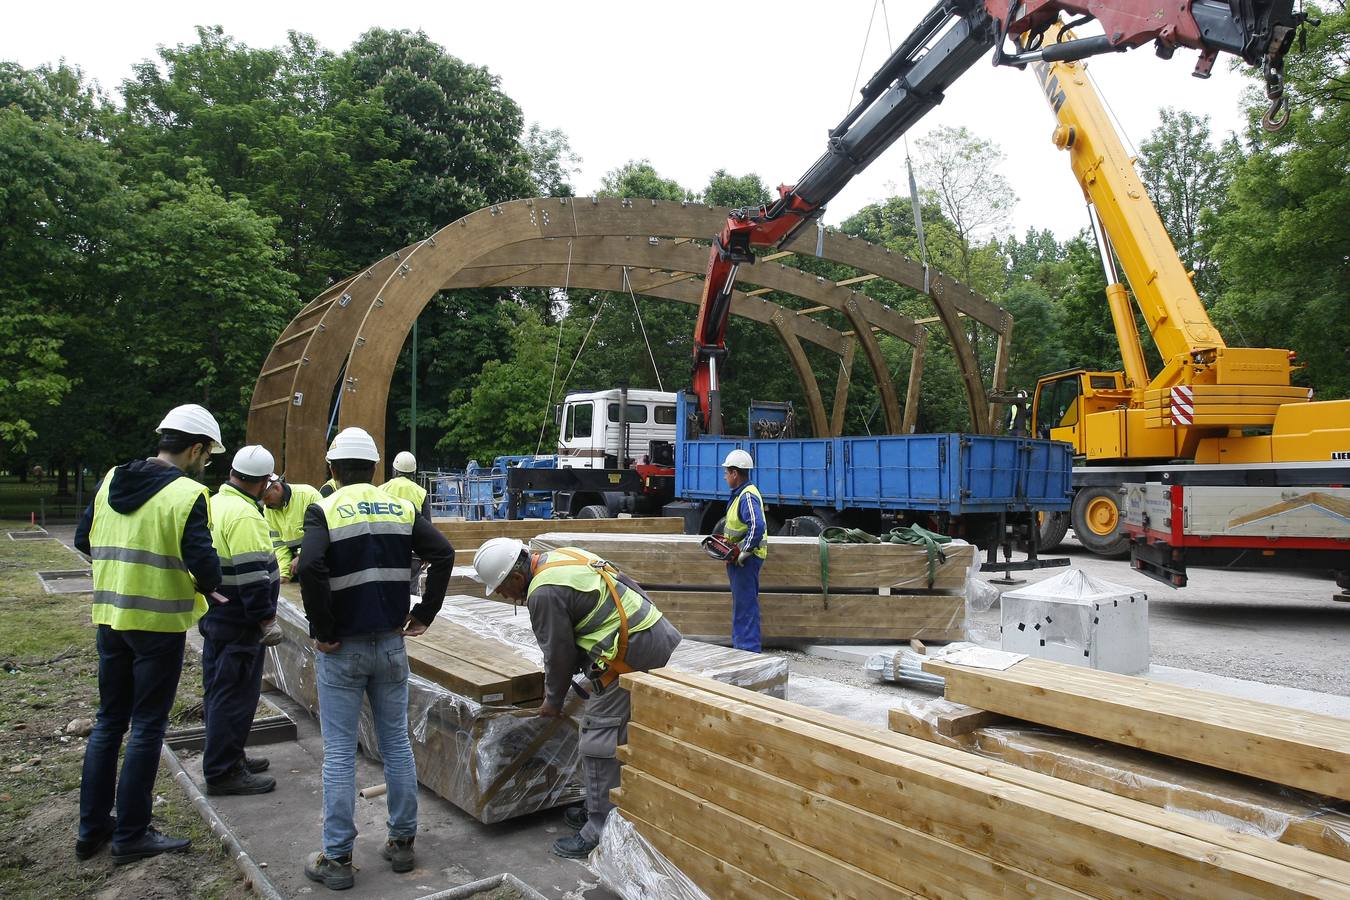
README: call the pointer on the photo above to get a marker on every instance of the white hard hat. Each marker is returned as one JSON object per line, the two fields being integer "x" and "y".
{"x": 254, "y": 461}
{"x": 495, "y": 560}
{"x": 738, "y": 459}
{"x": 405, "y": 462}
{"x": 193, "y": 419}
{"x": 353, "y": 443}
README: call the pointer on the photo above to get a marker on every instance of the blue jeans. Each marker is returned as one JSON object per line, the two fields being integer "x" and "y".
{"x": 374, "y": 667}
{"x": 745, "y": 603}
{"x": 137, "y": 679}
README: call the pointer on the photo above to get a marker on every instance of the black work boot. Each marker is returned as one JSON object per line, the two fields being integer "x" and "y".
{"x": 241, "y": 781}
{"x": 256, "y": 764}
{"x": 334, "y": 874}
{"x": 152, "y": 843}
{"x": 574, "y": 847}
{"x": 575, "y": 817}
{"x": 399, "y": 852}
{"x": 87, "y": 849}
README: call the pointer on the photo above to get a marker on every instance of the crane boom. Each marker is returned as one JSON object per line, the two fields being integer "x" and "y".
{"x": 946, "y": 43}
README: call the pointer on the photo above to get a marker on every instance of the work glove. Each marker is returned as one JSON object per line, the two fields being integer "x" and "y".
{"x": 741, "y": 557}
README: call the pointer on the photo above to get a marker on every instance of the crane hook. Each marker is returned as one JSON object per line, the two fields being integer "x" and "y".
{"x": 1277, "y": 115}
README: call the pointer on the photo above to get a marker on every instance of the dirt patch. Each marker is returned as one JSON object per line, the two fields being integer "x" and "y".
{"x": 49, "y": 677}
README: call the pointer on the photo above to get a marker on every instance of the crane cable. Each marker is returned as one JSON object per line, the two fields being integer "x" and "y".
{"x": 650, "y": 355}
{"x": 557, "y": 349}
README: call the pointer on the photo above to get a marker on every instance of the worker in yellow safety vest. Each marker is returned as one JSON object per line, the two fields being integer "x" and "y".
{"x": 233, "y": 633}
{"x": 404, "y": 488}
{"x": 285, "y": 506}
{"x": 746, "y": 527}
{"x": 148, "y": 534}
{"x": 588, "y": 617}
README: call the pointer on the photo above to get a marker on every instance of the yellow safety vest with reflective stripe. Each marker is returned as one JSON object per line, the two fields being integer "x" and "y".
{"x": 287, "y": 524}
{"x": 597, "y": 633}
{"x": 406, "y": 489}
{"x": 735, "y": 530}
{"x": 368, "y": 569}
{"x": 141, "y": 582}
{"x": 242, "y": 541}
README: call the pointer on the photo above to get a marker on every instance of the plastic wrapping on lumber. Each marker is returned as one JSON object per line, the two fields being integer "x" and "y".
{"x": 630, "y": 866}
{"x": 496, "y": 761}
{"x": 1242, "y": 804}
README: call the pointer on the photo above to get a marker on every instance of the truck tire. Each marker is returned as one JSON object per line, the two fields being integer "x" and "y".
{"x": 594, "y": 511}
{"x": 1054, "y": 525}
{"x": 1097, "y": 519}
{"x": 804, "y": 526}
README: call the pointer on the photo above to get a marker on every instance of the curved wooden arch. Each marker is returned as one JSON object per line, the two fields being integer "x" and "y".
{"x": 355, "y": 329}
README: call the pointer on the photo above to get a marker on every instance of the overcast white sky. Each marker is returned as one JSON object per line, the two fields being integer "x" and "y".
{"x": 694, "y": 86}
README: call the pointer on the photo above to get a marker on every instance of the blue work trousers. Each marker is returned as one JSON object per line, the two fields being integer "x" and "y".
{"x": 232, "y": 670}
{"x": 137, "y": 679}
{"x": 745, "y": 603}
{"x": 373, "y": 667}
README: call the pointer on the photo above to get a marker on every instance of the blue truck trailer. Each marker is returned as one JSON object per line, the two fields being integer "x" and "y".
{"x": 987, "y": 489}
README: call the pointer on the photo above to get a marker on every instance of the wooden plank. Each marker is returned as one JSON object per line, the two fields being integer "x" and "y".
{"x": 907, "y": 857}
{"x": 783, "y": 863}
{"x": 715, "y": 877}
{"x": 1004, "y": 812}
{"x": 484, "y": 652}
{"x": 464, "y": 535}
{"x": 1274, "y": 743}
{"x": 457, "y": 676}
{"x": 966, "y": 720}
{"x": 793, "y": 564}
{"x": 1255, "y": 807}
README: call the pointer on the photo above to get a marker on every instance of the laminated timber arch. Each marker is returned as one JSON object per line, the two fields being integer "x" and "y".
{"x": 354, "y": 330}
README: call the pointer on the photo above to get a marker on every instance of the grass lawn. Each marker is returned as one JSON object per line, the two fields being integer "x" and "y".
{"x": 48, "y": 677}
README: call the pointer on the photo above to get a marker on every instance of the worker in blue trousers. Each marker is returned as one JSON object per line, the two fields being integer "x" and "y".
{"x": 744, "y": 527}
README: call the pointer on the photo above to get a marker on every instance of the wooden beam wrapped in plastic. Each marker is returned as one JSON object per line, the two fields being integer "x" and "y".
{"x": 467, "y": 536}
{"x": 817, "y": 806}
{"x": 472, "y": 700}
{"x": 1275, "y": 743}
{"x": 1244, "y": 804}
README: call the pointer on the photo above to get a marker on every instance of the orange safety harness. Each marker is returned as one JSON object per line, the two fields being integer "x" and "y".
{"x": 616, "y": 666}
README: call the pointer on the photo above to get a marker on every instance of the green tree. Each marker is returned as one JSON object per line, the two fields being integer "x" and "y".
{"x": 725, "y": 189}
{"x": 638, "y": 178}
{"x": 1282, "y": 243}
{"x": 959, "y": 171}
{"x": 552, "y": 162}
{"x": 1188, "y": 178}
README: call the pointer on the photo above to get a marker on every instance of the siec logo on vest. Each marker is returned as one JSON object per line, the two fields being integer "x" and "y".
{"x": 380, "y": 508}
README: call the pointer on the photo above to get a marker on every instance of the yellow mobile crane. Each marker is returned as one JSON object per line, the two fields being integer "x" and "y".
{"x": 1230, "y": 413}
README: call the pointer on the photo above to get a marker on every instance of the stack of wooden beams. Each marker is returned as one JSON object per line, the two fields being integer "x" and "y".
{"x": 466, "y": 536}
{"x": 476, "y": 667}
{"x": 1285, "y": 746}
{"x": 877, "y": 592}
{"x": 755, "y": 797}
{"x": 1246, "y": 804}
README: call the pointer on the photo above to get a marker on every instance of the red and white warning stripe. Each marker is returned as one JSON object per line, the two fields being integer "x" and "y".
{"x": 1183, "y": 406}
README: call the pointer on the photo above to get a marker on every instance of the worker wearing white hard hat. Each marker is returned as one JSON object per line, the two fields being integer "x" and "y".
{"x": 354, "y": 560}
{"x": 233, "y": 632}
{"x": 153, "y": 565}
{"x": 404, "y": 488}
{"x": 587, "y": 616}
{"x": 745, "y": 527}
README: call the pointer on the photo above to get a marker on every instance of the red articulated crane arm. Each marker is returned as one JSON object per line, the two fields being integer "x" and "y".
{"x": 947, "y": 42}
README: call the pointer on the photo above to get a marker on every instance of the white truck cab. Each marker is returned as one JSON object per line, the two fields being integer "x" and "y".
{"x": 591, "y": 432}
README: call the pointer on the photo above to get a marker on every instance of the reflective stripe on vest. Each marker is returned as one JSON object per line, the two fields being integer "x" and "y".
{"x": 405, "y": 489}
{"x": 370, "y": 543}
{"x": 735, "y": 530}
{"x": 243, "y": 542}
{"x": 598, "y": 631}
{"x": 140, "y": 580}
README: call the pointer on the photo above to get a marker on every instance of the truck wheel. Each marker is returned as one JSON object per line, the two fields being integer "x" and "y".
{"x": 1053, "y": 525}
{"x": 1096, "y": 521}
{"x": 594, "y": 511}
{"x": 804, "y": 526}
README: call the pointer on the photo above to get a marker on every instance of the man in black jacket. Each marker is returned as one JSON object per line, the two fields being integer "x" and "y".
{"x": 353, "y": 573}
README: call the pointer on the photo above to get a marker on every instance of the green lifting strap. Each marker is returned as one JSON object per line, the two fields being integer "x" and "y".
{"x": 908, "y": 534}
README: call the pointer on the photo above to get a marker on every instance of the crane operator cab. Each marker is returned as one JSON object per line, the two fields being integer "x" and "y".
{"x": 1064, "y": 399}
